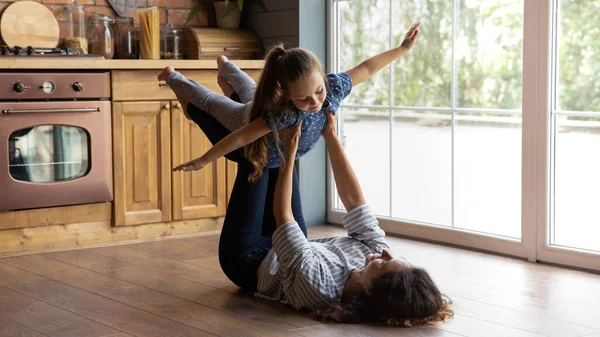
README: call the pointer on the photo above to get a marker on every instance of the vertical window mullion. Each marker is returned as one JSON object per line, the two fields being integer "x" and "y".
{"x": 554, "y": 73}
{"x": 391, "y": 119}
{"x": 453, "y": 95}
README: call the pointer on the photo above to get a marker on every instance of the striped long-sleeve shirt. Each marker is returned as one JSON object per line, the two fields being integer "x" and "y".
{"x": 312, "y": 274}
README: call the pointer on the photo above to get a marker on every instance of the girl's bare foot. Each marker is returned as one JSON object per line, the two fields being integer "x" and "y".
{"x": 221, "y": 60}
{"x": 223, "y": 84}
{"x": 164, "y": 74}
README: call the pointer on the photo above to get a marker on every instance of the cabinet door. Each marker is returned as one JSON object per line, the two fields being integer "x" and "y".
{"x": 142, "y": 162}
{"x": 196, "y": 194}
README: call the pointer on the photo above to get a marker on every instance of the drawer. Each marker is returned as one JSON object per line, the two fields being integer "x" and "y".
{"x": 142, "y": 85}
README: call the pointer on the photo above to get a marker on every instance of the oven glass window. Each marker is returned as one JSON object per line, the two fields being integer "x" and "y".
{"x": 49, "y": 153}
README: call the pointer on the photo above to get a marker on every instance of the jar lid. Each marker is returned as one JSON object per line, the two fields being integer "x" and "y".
{"x": 142, "y": 10}
{"x": 123, "y": 19}
{"x": 171, "y": 29}
{"x": 74, "y": 7}
{"x": 97, "y": 17}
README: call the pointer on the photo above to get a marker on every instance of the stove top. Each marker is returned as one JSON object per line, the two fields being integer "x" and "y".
{"x": 46, "y": 52}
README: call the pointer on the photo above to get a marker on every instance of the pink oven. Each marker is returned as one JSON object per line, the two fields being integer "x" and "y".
{"x": 55, "y": 139}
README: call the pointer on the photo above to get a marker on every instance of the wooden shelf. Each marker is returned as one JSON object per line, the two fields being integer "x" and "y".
{"x": 83, "y": 63}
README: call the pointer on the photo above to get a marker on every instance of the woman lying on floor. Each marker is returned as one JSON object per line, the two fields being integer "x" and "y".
{"x": 349, "y": 279}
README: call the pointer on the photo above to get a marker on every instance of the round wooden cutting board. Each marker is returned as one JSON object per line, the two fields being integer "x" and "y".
{"x": 28, "y": 23}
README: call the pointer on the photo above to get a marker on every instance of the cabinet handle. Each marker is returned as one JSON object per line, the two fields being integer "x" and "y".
{"x": 166, "y": 107}
{"x": 178, "y": 106}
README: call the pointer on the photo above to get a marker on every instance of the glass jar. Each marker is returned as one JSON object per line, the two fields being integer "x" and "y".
{"x": 126, "y": 39}
{"x": 171, "y": 48}
{"x": 101, "y": 36}
{"x": 76, "y": 24}
{"x": 150, "y": 33}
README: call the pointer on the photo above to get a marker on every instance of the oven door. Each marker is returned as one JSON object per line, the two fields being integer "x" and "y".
{"x": 55, "y": 153}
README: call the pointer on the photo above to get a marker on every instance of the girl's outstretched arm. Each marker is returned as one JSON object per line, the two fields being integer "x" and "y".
{"x": 371, "y": 66}
{"x": 242, "y": 137}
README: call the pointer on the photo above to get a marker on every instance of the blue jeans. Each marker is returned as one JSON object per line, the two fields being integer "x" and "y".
{"x": 249, "y": 222}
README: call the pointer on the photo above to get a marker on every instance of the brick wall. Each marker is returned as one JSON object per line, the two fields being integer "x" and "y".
{"x": 171, "y": 11}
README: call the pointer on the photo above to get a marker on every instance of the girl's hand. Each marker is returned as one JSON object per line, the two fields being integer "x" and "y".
{"x": 411, "y": 36}
{"x": 329, "y": 130}
{"x": 164, "y": 74}
{"x": 194, "y": 165}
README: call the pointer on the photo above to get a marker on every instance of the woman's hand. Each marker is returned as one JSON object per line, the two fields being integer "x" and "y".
{"x": 291, "y": 137}
{"x": 329, "y": 130}
{"x": 411, "y": 37}
{"x": 296, "y": 131}
{"x": 193, "y": 165}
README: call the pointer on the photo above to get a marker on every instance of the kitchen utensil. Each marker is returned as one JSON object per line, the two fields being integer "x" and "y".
{"x": 29, "y": 23}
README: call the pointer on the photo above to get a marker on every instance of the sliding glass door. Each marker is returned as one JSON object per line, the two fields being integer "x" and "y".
{"x": 484, "y": 134}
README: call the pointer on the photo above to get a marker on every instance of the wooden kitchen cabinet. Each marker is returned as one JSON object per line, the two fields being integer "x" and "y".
{"x": 142, "y": 162}
{"x": 150, "y": 138}
{"x": 196, "y": 194}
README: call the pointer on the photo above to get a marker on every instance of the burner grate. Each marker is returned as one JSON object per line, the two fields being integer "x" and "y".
{"x": 31, "y": 51}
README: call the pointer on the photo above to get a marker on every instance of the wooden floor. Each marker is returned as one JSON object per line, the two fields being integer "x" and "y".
{"x": 176, "y": 288}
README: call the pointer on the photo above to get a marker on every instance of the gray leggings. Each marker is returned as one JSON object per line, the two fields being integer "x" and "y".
{"x": 232, "y": 115}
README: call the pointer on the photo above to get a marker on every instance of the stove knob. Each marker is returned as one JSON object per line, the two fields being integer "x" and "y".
{"x": 18, "y": 87}
{"x": 77, "y": 86}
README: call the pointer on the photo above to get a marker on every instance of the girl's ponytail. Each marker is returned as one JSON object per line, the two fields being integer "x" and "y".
{"x": 266, "y": 99}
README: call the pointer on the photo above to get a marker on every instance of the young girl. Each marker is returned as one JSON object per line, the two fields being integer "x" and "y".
{"x": 291, "y": 89}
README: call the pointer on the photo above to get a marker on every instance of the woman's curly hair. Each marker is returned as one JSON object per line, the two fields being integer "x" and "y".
{"x": 408, "y": 297}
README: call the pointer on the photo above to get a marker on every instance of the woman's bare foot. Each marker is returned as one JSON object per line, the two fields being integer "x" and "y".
{"x": 223, "y": 84}
{"x": 164, "y": 74}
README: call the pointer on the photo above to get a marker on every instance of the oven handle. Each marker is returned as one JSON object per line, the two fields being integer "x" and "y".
{"x": 41, "y": 111}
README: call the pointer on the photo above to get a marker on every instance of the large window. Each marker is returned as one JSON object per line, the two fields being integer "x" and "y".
{"x": 458, "y": 141}
{"x": 576, "y": 126}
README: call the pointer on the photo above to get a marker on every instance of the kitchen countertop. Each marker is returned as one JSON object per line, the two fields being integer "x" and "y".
{"x": 83, "y": 63}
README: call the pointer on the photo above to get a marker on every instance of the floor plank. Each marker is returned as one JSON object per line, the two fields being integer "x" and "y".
{"x": 546, "y": 308}
{"x": 209, "y": 262}
{"x": 172, "y": 249}
{"x": 344, "y": 330}
{"x": 167, "y": 266}
{"x": 48, "y": 319}
{"x": 182, "y": 311}
{"x": 206, "y": 243}
{"x": 112, "y": 313}
{"x": 473, "y": 327}
{"x": 519, "y": 319}
{"x": 269, "y": 313}
{"x": 9, "y": 328}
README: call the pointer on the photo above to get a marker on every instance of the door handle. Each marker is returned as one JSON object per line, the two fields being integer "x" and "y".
{"x": 42, "y": 111}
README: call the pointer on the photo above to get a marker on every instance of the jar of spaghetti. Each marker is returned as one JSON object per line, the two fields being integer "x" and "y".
{"x": 150, "y": 33}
